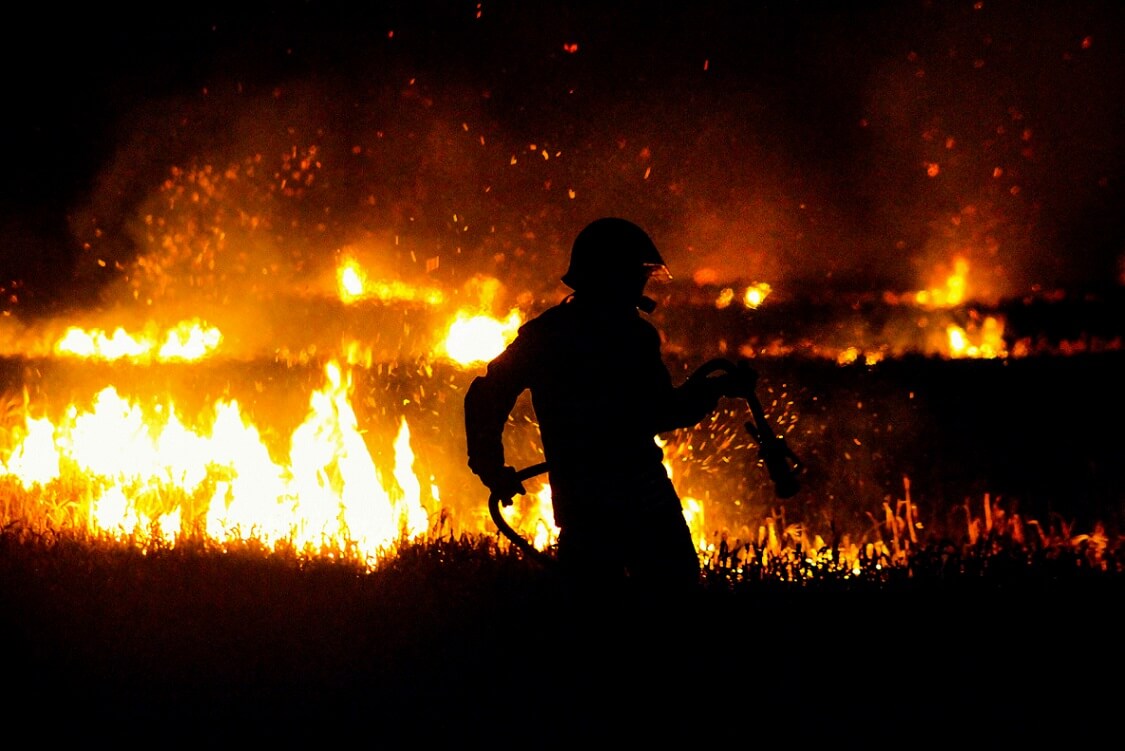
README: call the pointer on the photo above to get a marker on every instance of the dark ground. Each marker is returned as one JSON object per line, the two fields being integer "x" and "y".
{"x": 454, "y": 644}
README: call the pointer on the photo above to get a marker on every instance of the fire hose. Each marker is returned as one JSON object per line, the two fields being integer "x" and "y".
{"x": 781, "y": 463}
{"x": 501, "y": 523}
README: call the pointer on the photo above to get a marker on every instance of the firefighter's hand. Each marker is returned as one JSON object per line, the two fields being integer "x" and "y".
{"x": 504, "y": 483}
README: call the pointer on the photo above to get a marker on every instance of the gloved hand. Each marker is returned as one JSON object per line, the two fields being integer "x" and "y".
{"x": 504, "y": 483}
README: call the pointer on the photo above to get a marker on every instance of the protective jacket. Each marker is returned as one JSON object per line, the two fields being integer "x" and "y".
{"x": 601, "y": 394}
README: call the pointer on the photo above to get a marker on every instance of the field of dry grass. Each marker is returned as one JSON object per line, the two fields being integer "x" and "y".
{"x": 464, "y": 641}
{"x": 996, "y": 622}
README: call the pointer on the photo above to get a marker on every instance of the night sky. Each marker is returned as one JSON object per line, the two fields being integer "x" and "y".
{"x": 819, "y": 147}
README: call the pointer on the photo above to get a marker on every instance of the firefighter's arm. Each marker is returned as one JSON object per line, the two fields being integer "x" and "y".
{"x": 699, "y": 395}
{"x": 488, "y": 403}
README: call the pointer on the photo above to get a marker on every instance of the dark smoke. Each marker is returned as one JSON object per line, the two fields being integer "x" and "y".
{"x": 853, "y": 149}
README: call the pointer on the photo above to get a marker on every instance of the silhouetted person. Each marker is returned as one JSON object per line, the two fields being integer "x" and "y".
{"x": 601, "y": 393}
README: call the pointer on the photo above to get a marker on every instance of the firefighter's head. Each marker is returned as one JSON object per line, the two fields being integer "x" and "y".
{"x": 613, "y": 257}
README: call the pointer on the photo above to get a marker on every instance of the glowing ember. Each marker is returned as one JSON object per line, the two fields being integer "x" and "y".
{"x": 752, "y": 297}
{"x": 852, "y": 354}
{"x": 477, "y": 338}
{"x": 755, "y": 294}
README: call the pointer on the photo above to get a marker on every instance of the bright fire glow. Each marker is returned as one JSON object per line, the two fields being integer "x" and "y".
{"x": 755, "y": 294}
{"x": 951, "y": 293}
{"x": 985, "y": 341}
{"x": 692, "y": 508}
{"x": 354, "y": 285}
{"x": 351, "y": 282}
{"x": 144, "y": 471}
{"x": 476, "y": 338}
{"x": 533, "y": 517}
{"x": 187, "y": 341}
{"x": 752, "y": 297}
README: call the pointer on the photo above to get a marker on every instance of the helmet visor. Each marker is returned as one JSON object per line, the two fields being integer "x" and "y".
{"x": 657, "y": 272}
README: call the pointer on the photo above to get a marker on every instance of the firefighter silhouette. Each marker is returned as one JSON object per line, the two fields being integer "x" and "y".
{"x": 601, "y": 393}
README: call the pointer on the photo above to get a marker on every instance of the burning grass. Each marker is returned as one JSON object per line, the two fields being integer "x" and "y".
{"x": 946, "y": 553}
{"x": 380, "y": 445}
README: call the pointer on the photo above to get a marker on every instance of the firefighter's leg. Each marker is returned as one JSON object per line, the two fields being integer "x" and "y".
{"x": 662, "y": 555}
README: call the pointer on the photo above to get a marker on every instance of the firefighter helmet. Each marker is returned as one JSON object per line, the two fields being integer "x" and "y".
{"x": 611, "y": 253}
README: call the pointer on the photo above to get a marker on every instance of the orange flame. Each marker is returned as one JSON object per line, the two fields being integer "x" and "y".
{"x": 187, "y": 341}
{"x": 475, "y": 338}
{"x": 533, "y": 517}
{"x": 752, "y": 297}
{"x": 353, "y": 285}
{"x": 953, "y": 290}
{"x": 144, "y": 471}
{"x": 985, "y": 341}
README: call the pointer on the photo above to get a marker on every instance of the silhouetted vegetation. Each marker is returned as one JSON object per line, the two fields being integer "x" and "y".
{"x": 463, "y": 635}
